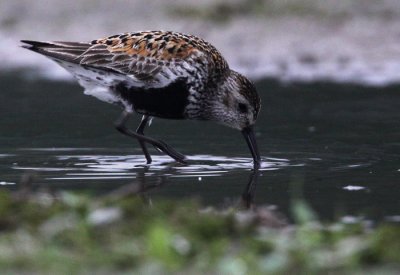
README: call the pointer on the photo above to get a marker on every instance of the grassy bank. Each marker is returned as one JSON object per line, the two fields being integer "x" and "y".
{"x": 66, "y": 233}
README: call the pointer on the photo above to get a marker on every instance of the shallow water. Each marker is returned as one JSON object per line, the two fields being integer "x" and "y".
{"x": 337, "y": 146}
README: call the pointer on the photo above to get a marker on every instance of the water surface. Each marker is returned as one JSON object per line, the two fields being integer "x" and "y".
{"x": 337, "y": 146}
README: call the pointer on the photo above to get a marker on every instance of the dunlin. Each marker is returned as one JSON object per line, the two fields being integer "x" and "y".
{"x": 160, "y": 74}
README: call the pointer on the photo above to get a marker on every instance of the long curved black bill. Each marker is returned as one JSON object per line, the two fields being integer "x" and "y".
{"x": 250, "y": 138}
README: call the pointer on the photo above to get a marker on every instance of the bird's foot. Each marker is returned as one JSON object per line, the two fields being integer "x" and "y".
{"x": 164, "y": 147}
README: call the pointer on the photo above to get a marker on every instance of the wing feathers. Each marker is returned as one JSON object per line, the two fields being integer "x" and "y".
{"x": 157, "y": 58}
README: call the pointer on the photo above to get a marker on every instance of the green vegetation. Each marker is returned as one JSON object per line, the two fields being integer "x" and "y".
{"x": 67, "y": 233}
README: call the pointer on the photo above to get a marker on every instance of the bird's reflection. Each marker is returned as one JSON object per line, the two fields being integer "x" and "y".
{"x": 142, "y": 185}
{"x": 250, "y": 189}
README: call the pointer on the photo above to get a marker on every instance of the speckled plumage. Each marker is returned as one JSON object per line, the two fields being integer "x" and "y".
{"x": 165, "y": 47}
{"x": 161, "y": 74}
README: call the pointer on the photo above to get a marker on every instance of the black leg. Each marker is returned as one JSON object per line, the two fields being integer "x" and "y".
{"x": 121, "y": 127}
{"x": 140, "y": 131}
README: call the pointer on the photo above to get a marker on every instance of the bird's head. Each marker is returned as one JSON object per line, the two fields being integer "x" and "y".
{"x": 237, "y": 105}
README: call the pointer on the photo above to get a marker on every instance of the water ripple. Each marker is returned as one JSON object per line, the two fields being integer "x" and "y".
{"x": 104, "y": 166}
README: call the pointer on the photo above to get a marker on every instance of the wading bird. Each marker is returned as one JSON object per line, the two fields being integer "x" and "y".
{"x": 160, "y": 74}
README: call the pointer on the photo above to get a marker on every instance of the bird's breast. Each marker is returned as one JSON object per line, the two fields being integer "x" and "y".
{"x": 165, "y": 102}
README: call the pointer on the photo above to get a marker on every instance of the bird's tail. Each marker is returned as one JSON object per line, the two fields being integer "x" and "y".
{"x": 65, "y": 51}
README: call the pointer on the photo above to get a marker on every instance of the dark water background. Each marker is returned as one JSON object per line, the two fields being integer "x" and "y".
{"x": 337, "y": 146}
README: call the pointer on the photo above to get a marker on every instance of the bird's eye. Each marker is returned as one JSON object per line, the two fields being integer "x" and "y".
{"x": 242, "y": 108}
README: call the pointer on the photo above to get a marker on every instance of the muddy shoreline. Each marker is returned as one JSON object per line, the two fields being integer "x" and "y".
{"x": 361, "y": 47}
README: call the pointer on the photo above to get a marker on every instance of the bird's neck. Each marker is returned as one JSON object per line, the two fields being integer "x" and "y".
{"x": 206, "y": 102}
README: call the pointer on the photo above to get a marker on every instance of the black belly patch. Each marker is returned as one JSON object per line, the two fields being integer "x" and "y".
{"x": 165, "y": 102}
